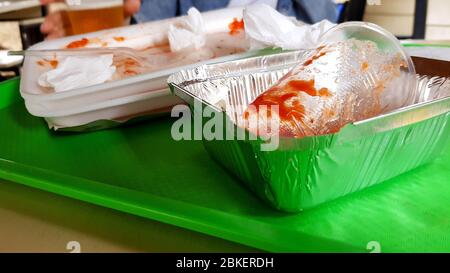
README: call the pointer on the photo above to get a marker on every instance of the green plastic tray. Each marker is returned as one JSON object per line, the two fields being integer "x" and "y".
{"x": 139, "y": 169}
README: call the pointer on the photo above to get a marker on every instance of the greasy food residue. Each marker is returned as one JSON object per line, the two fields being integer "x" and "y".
{"x": 119, "y": 39}
{"x": 127, "y": 66}
{"x": 130, "y": 72}
{"x": 313, "y": 58}
{"x": 365, "y": 66}
{"x": 287, "y": 99}
{"x": 53, "y": 63}
{"x": 284, "y": 110}
{"x": 236, "y": 26}
{"x": 307, "y": 87}
{"x": 291, "y": 109}
{"x": 78, "y": 44}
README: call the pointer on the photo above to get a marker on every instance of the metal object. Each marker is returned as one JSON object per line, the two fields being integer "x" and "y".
{"x": 303, "y": 173}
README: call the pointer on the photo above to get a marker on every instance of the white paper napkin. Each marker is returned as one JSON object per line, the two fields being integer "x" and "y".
{"x": 78, "y": 71}
{"x": 189, "y": 33}
{"x": 265, "y": 27}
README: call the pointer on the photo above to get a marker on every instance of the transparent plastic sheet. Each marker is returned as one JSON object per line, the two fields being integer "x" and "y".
{"x": 358, "y": 71}
{"x": 305, "y": 172}
{"x": 336, "y": 84}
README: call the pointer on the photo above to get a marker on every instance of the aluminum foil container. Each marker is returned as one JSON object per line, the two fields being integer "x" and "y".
{"x": 305, "y": 172}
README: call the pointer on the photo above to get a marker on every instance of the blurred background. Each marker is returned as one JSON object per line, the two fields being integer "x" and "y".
{"x": 21, "y": 20}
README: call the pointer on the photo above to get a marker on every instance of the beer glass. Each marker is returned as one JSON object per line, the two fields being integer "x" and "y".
{"x": 92, "y": 15}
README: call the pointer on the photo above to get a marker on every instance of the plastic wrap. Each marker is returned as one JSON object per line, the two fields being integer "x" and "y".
{"x": 358, "y": 71}
{"x": 339, "y": 83}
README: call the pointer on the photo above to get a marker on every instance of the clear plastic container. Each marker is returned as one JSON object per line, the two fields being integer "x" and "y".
{"x": 118, "y": 99}
{"x": 138, "y": 37}
{"x": 384, "y": 40}
{"x": 358, "y": 71}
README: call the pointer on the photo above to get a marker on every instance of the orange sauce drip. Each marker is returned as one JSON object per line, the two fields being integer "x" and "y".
{"x": 324, "y": 92}
{"x": 130, "y": 62}
{"x": 53, "y": 63}
{"x": 119, "y": 39}
{"x": 364, "y": 66}
{"x": 302, "y": 86}
{"x": 307, "y": 87}
{"x": 236, "y": 26}
{"x": 313, "y": 58}
{"x": 294, "y": 110}
{"x": 284, "y": 111}
{"x": 78, "y": 44}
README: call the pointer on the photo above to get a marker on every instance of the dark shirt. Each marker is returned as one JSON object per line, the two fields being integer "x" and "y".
{"x": 309, "y": 11}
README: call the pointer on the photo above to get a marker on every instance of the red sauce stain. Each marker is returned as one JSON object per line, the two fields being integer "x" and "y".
{"x": 104, "y": 44}
{"x": 291, "y": 109}
{"x": 302, "y": 86}
{"x": 285, "y": 111}
{"x": 78, "y": 44}
{"x": 119, "y": 39}
{"x": 236, "y": 26}
{"x": 40, "y": 63}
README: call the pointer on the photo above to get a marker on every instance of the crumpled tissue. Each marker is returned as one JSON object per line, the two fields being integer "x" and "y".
{"x": 265, "y": 27}
{"x": 189, "y": 33}
{"x": 79, "y": 71}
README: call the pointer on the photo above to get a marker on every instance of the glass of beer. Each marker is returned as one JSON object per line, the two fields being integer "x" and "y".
{"x": 92, "y": 15}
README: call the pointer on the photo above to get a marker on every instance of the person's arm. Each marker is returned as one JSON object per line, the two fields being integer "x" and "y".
{"x": 53, "y": 26}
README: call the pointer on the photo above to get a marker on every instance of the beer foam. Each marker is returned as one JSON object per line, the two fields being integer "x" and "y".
{"x": 92, "y": 4}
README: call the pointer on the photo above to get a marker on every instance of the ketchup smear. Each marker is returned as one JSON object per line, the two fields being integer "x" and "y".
{"x": 236, "y": 26}
{"x": 119, "y": 39}
{"x": 78, "y": 44}
{"x": 297, "y": 110}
